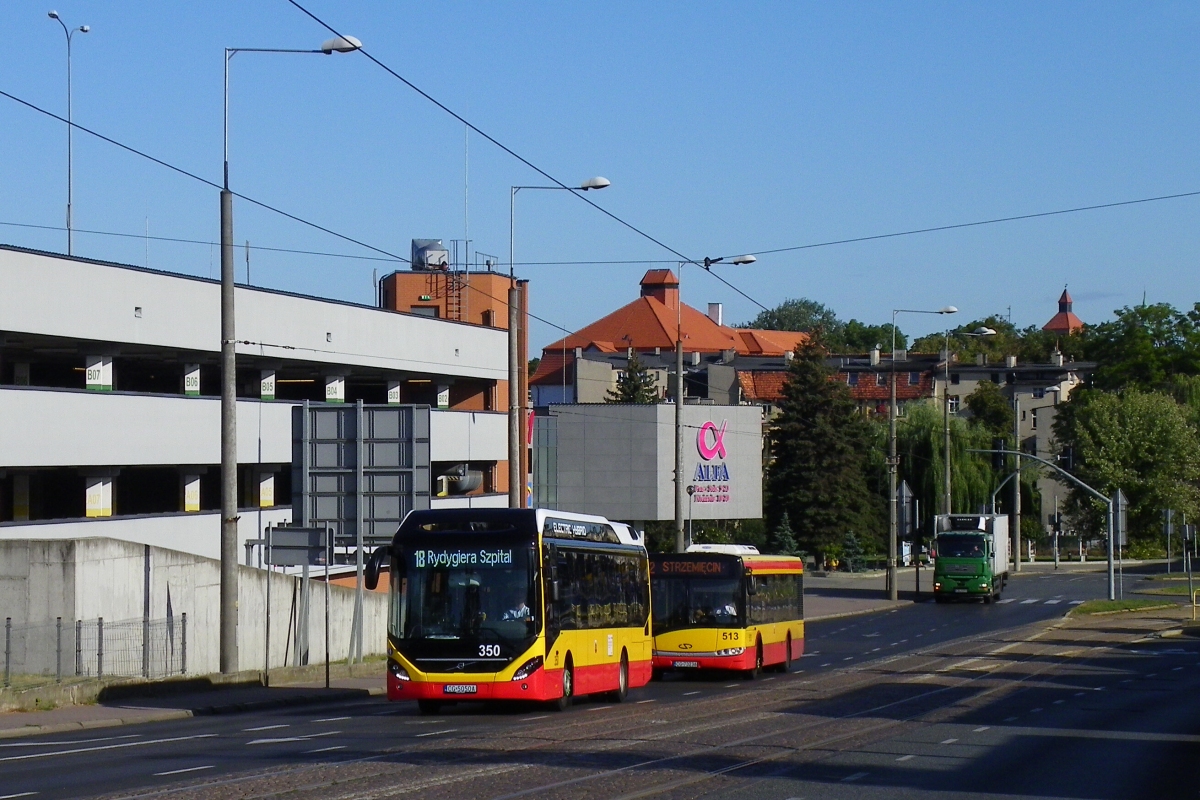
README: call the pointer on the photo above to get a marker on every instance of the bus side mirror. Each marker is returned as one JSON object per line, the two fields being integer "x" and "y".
{"x": 373, "y": 566}
{"x": 750, "y": 590}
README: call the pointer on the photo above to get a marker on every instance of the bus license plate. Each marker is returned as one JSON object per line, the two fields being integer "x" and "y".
{"x": 960, "y": 591}
{"x": 685, "y": 664}
{"x": 460, "y": 688}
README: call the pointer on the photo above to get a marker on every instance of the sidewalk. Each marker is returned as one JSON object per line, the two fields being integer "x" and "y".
{"x": 844, "y": 594}
{"x": 136, "y": 703}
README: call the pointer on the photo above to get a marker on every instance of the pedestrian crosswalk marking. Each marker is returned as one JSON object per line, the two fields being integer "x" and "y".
{"x": 1030, "y": 600}
{"x": 1076, "y": 602}
{"x": 1052, "y": 602}
{"x": 1006, "y": 600}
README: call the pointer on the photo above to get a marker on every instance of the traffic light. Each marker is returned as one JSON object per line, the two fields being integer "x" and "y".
{"x": 1066, "y": 458}
{"x": 999, "y": 460}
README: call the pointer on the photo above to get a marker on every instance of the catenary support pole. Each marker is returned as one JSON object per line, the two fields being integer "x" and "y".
{"x": 947, "y": 499}
{"x": 680, "y": 541}
{"x": 1016, "y": 501}
{"x": 893, "y": 464}
{"x": 229, "y": 522}
{"x": 515, "y": 405}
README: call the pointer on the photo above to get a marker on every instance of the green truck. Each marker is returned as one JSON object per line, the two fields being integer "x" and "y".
{"x": 970, "y": 557}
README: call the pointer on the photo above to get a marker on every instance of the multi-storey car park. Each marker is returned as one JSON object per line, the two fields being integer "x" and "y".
{"x": 110, "y": 397}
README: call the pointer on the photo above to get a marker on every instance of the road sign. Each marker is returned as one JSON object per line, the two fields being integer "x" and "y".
{"x": 297, "y": 547}
{"x": 907, "y": 519}
{"x": 1121, "y": 521}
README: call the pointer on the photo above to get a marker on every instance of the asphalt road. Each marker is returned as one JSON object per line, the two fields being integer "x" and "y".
{"x": 928, "y": 700}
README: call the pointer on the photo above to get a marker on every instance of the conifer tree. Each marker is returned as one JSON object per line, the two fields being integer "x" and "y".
{"x": 634, "y": 385}
{"x": 783, "y": 539}
{"x": 819, "y": 444}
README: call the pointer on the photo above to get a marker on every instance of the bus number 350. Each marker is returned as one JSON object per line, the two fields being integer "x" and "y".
{"x": 488, "y": 650}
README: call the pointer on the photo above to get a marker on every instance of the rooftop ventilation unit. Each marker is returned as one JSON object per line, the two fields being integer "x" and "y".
{"x": 429, "y": 254}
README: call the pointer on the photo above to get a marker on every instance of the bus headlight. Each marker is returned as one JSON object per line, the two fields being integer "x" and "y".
{"x": 398, "y": 672}
{"x": 733, "y": 651}
{"x": 528, "y": 668}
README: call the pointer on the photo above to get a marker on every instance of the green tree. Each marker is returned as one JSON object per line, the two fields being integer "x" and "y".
{"x": 1139, "y": 442}
{"x": 921, "y": 446}
{"x": 634, "y": 385}
{"x": 1144, "y": 347}
{"x": 990, "y": 409}
{"x": 852, "y": 552}
{"x": 818, "y": 456}
{"x": 840, "y": 337}
{"x": 783, "y": 539}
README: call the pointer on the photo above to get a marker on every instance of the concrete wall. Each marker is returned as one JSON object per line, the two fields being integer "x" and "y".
{"x": 619, "y": 460}
{"x": 96, "y": 301}
{"x": 468, "y": 435}
{"x": 89, "y": 578}
{"x": 195, "y": 533}
{"x": 64, "y": 427}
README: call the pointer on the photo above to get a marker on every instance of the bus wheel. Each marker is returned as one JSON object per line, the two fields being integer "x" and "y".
{"x": 754, "y": 671}
{"x": 787, "y": 658}
{"x": 622, "y": 681}
{"x": 428, "y": 707}
{"x": 568, "y": 680}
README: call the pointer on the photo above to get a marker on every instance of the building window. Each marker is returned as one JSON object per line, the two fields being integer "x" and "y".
{"x": 881, "y": 379}
{"x": 954, "y": 378}
{"x": 1035, "y": 419}
{"x": 954, "y": 404}
{"x": 852, "y": 379}
{"x": 914, "y": 379}
{"x": 1038, "y": 394}
{"x": 425, "y": 311}
{"x": 995, "y": 377}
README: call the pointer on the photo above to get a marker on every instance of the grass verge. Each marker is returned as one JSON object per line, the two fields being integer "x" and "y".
{"x": 1118, "y": 606}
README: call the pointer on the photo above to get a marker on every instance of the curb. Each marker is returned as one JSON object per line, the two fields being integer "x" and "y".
{"x": 200, "y": 711}
{"x": 859, "y": 613}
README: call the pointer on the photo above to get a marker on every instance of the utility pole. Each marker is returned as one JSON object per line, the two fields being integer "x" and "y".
{"x": 680, "y": 541}
{"x": 229, "y": 515}
{"x": 1016, "y": 507}
{"x": 515, "y": 406}
{"x": 946, "y": 500}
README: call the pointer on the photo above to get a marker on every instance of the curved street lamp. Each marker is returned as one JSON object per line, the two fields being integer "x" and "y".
{"x": 70, "y": 33}
{"x": 516, "y": 403}
{"x": 894, "y": 460}
{"x": 682, "y": 542}
{"x": 229, "y": 515}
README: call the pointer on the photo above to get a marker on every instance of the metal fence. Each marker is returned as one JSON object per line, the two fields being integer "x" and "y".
{"x": 94, "y": 648}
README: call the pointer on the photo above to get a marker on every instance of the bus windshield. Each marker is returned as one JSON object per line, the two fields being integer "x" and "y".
{"x": 696, "y": 603}
{"x": 467, "y": 591}
{"x": 960, "y": 545}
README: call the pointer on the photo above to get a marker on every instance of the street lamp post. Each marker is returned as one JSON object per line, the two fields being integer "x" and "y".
{"x": 70, "y": 32}
{"x": 516, "y": 404}
{"x": 893, "y": 459}
{"x": 229, "y": 515}
{"x": 946, "y": 496}
{"x": 681, "y": 541}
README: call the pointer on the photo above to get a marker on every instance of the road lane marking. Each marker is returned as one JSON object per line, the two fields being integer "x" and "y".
{"x": 330, "y": 719}
{"x": 1052, "y": 602}
{"x": 28, "y": 756}
{"x": 949, "y": 741}
{"x": 18, "y": 794}
{"x": 639, "y": 702}
{"x": 1011, "y": 719}
{"x": 1079, "y": 694}
{"x": 981, "y": 729}
{"x": 1059, "y": 702}
{"x": 436, "y": 733}
{"x": 732, "y": 685}
{"x": 82, "y": 741}
{"x": 1030, "y": 600}
{"x": 827, "y": 665}
{"x": 856, "y": 776}
{"x": 906, "y": 758}
{"x": 600, "y": 708}
{"x": 876, "y": 650}
{"x": 541, "y": 716}
{"x": 264, "y": 728}
{"x": 325, "y": 749}
{"x": 848, "y": 658}
{"x": 303, "y": 738}
{"x": 1076, "y": 602}
{"x": 689, "y": 694}
{"x": 181, "y": 771}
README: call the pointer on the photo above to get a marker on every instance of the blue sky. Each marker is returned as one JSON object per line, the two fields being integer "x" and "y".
{"x": 724, "y": 128}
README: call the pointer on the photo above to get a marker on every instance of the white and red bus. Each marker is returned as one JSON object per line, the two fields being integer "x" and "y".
{"x": 514, "y": 604}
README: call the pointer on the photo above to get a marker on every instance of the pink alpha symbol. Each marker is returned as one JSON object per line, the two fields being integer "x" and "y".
{"x": 718, "y": 440}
